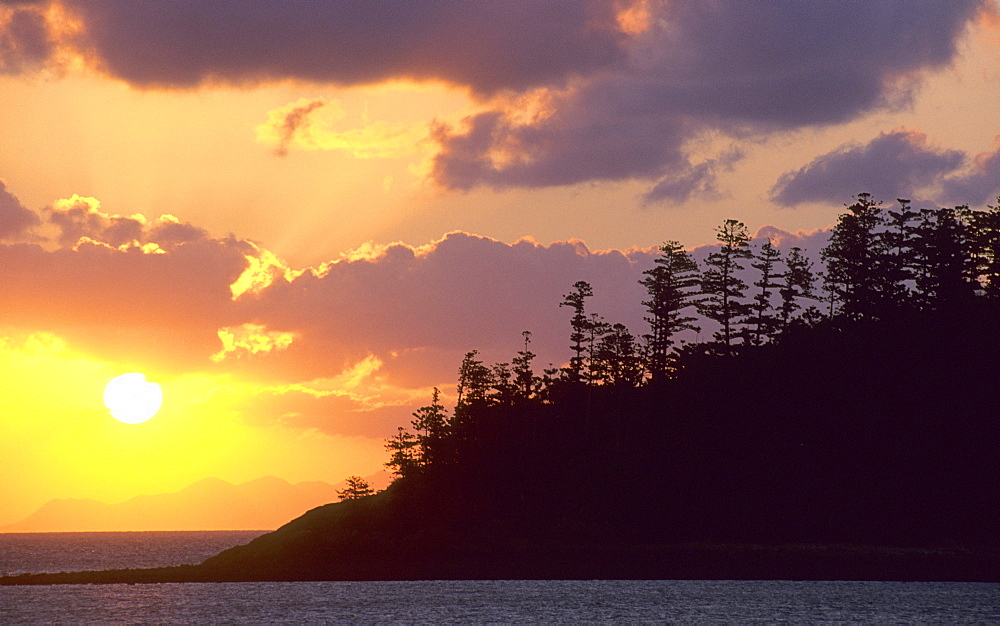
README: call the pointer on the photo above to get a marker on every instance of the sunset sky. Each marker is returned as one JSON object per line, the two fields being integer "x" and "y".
{"x": 296, "y": 217}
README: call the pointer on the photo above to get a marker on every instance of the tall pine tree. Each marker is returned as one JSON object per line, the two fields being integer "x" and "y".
{"x": 721, "y": 285}
{"x": 580, "y": 324}
{"x": 672, "y": 285}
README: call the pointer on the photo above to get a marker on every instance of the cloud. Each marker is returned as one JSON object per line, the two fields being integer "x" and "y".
{"x": 980, "y": 184}
{"x": 249, "y": 339}
{"x": 81, "y": 218}
{"x": 301, "y": 126}
{"x": 460, "y": 293}
{"x": 359, "y": 401}
{"x": 350, "y": 346}
{"x": 125, "y": 287}
{"x": 627, "y": 85}
{"x": 487, "y": 46}
{"x": 285, "y": 122}
{"x": 697, "y": 181}
{"x": 15, "y": 219}
{"x": 26, "y": 43}
{"x": 894, "y": 164}
{"x": 899, "y": 163}
{"x": 736, "y": 67}
{"x": 366, "y": 334}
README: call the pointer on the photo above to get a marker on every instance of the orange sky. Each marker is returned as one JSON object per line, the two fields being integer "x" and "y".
{"x": 298, "y": 227}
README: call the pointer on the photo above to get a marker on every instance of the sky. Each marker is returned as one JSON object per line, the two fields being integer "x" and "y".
{"x": 296, "y": 217}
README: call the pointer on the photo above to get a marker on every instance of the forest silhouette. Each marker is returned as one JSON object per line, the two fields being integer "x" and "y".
{"x": 856, "y": 402}
{"x": 852, "y": 406}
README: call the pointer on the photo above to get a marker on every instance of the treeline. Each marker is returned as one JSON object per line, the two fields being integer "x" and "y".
{"x": 814, "y": 379}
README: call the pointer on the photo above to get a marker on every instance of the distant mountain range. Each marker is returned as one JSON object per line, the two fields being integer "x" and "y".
{"x": 210, "y": 504}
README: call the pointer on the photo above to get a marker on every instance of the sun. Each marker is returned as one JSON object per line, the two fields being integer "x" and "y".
{"x": 131, "y": 399}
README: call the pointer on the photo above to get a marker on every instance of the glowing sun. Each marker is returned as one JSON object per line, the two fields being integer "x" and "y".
{"x": 131, "y": 399}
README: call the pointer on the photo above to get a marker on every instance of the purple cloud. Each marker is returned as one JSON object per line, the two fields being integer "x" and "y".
{"x": 893, "y": 165}
{"x": 979, "y": 185}
{"x": 488, "y": 45}
{"x": 25, "y": 43}
{"x": 15, "y": 219}
{"x": 738, "y": 67}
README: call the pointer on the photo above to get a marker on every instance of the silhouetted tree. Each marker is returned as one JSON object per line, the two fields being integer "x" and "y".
{"x": 861, "y": 269}
{"x": 577, "y": 300}
{"x": 403, "y": 456}
{"x": 525, "y": 381}
{"x": 945, "y": 274}
{"x": 617, "y": 359}
{"x": 765, "y": 324}
{"x": 722, "y": 287}
{"x": 596, "y": 329}
{"x": 797, "y": 282}
{"x": 898, "y": 264}
{"x": 355, "y": 489}
{"x": 474, "y": 381}
{"x": 985, "y": 226}
{"x": 503, "y": 385}
{"x": 672, "y": 285}
{"x": 825, "y": 453}
{"x": 431, "y": 425}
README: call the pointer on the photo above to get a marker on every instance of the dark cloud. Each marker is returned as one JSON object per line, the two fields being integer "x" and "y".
{"x": 622, "y": 102}
{"x": 738, "y": 67}
{"x": 487, "y": 45}
{"x": 979, "y": 185}
{"x": 789, "y": 63}
{"x": 893, "y": 165}
{"x": 293, "y": 120}
{"x": 25, "y": 42}
{"x": 570, "y": 147}
{"x": 15, "y": 219}
{"x": 678, "y": 187}
{"x": 696, "y": 181}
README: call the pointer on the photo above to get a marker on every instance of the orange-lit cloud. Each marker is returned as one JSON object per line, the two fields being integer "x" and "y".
{"x": 635, "y": 17}
{"x": 990, "y": 19}
{"x": 263, "y": 268}
{"x": 306, "y": 125}
{"x": 289, "y": 123}
{"x": 359, "y": 401}
{"x": 248, "y": 339}
{"x": 161, "y": 291}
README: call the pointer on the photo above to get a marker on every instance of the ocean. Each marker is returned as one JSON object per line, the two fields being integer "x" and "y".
{"x": 440, "y": 601}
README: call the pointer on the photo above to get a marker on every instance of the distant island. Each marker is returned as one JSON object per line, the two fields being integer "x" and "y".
{"x": 209, "y": 504}
{"x": 848, "y": 434}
